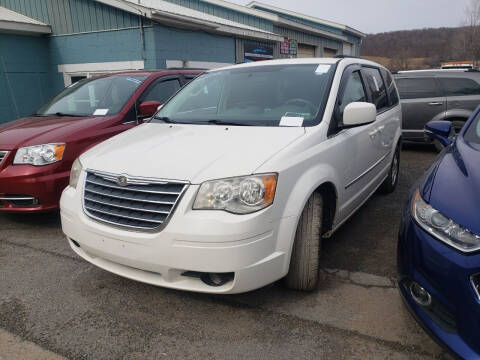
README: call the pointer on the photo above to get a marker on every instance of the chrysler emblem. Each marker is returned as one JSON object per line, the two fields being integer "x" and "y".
{"x": 122, "y": 181}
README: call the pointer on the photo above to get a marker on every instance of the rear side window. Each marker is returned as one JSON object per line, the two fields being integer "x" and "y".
{"x": 392, "y": 92}
{"x": 375, "y": 83}
{"x": 459, "y": 86}
{"x": 162, "y": 90}
{"x": 354, "y": 91}
{"x": 417, "y": 88}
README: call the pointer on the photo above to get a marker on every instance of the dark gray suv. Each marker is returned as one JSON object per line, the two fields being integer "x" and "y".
{"x": 436, "y": 95}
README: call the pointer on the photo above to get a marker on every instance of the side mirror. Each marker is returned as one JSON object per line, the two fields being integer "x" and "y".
{"x": 359, "y": 113}
{"x": 148, "y": 108}
{"x": 439, "y": 130}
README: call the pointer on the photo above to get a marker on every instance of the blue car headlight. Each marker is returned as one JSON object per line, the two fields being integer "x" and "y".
{"x": 443, "y": 228}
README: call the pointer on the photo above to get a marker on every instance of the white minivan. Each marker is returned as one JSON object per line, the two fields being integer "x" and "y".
{"x": 235, "y": 181}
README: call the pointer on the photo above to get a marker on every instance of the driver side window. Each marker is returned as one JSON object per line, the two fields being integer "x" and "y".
{"x": 354, "y": 91}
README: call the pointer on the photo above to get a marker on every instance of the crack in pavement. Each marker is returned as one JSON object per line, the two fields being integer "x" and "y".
{"x": 53, "y": 253}
{"x": 361, "y": 279}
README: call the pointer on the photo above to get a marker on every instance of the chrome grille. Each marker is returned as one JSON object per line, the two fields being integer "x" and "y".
{"x": 3, "y": 155}
{"x": 137, "y": 203}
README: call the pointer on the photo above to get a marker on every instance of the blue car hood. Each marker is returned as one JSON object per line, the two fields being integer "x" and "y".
{"x": 453, "y": 185}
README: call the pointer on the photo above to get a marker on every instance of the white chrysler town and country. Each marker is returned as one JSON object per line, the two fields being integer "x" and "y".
{"x": 234, "y": 182}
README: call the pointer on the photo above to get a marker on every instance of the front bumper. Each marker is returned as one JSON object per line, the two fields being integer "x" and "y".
{"x": 453, "y": 319}
{"x": 250, "y": 246}
{"x": 39, "y": 187}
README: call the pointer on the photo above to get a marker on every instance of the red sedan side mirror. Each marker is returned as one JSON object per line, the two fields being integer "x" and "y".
{"x": 148, "y": 108}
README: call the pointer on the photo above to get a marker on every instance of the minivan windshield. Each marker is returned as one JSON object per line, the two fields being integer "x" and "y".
{"x": 265, "y": 95}
{"x": 95, "y": 96}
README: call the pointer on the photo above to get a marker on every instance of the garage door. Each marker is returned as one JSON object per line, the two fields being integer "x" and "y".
{"x": 305, "y": 51}
{"x": 329, "y": 52}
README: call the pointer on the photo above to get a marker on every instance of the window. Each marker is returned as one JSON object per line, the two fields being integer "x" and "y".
{"x": 392, "y": 92}
{"x": 268, "y": 95}
{"x": 459, "y": 86}
{"x": 95, "y": 96}
{"x": 417, "y": 88}
{"x": 354, "y": 91}
{"x": 161, "y": 91}
{"x": 377, "y": 88}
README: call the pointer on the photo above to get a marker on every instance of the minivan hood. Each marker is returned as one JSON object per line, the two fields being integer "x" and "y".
{"x": 39, "y": 130}
{"x": 192, "y": 153}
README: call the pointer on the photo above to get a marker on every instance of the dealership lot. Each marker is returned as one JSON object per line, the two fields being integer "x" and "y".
{"x": 52, "y": 298}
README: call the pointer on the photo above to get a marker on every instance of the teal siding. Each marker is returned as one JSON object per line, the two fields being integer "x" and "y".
{"x": 73, "y": 16}
{"x": 178, "y": 44}
{"x": 119, "y": 45}
{"x": 304, "y": 21}
{"x": 224, "y": 13}
{"x": 24, "y": 80}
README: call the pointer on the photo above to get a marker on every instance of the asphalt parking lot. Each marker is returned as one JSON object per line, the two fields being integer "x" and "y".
{"x": 54, "y": 305}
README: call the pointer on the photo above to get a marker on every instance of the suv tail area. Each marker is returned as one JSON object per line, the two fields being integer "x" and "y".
{"x": 436, "y": 95}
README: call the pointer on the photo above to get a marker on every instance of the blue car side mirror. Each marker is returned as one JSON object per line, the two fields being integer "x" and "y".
{"x": 439, "y": 130}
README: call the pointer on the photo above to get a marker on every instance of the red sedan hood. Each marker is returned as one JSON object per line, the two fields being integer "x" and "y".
{"x": 39, "y": 130}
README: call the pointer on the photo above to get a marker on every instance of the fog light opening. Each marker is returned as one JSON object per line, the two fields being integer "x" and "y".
{"x": 216, "y": 279}
{"x": 420, "y": 295}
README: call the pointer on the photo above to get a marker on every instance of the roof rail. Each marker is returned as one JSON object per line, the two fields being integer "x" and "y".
{"x": 345, "y": 57}
{"x": 184, "y": 68}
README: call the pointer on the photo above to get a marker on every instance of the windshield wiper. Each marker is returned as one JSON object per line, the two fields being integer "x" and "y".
{"x": 225, "y": 122}
{"x": 64, "y": 114}
{"x": 165, "y": 119}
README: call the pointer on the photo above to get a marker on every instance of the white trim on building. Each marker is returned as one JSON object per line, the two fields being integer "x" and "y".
{"x": 195, "y": 64}
{"x": 13, "y": 22}
{"x": 91, "y": 69}
{"x": 180, "y": 16}
{"x": 254, "y": 4}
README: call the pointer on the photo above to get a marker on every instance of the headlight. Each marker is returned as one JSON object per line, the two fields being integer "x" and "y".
{"x": 39, "y": 154}
{"x": 75, "y": 173}
{"x": 442, "y": 227}
{"x": 240, "y": 195}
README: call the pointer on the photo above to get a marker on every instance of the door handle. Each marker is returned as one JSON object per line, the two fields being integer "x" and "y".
{"x": 435, "y": 103}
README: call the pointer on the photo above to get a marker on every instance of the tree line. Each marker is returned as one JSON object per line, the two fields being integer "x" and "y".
{"x": 428, "y": 48}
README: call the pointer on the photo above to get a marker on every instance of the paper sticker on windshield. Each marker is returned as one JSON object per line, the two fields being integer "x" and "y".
{"x": 291, "y": 121}
{"x": 100, "y": 112}
{"x": 322, "y": 69}
{"x": 136, "y": 81}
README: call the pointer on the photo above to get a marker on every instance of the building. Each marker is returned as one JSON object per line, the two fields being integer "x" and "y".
{"x": 46, "y": 45}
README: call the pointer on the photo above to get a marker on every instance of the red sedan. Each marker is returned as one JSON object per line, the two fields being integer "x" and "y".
{"x": 37, "y": 152}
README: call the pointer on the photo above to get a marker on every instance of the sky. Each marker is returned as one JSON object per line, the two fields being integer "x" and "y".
{"x": 374, "y": 16}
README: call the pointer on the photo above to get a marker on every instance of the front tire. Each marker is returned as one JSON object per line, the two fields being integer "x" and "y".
{"x": 390, "y": 183}
{"x": 303, "y": 272}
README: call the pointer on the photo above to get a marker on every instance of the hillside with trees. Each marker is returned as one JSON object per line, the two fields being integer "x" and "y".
{"x": 418, "y": 49}
{"x": 427, "y": 48}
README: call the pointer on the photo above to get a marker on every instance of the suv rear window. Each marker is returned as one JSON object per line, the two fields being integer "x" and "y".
{"x": 377, "y": 88}
{"x": 417, "y": 88}
{"x": 459, "y": 86}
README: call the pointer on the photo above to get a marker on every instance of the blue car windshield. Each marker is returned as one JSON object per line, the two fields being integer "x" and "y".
{"x": 472, "y": 134}
{"x": 266, "y": 95}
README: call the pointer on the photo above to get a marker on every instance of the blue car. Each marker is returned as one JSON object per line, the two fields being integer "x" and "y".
{"x": 439, "y": 242}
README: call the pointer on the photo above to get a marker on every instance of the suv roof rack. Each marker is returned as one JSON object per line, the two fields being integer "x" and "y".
{"x": 345, "y": 57}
